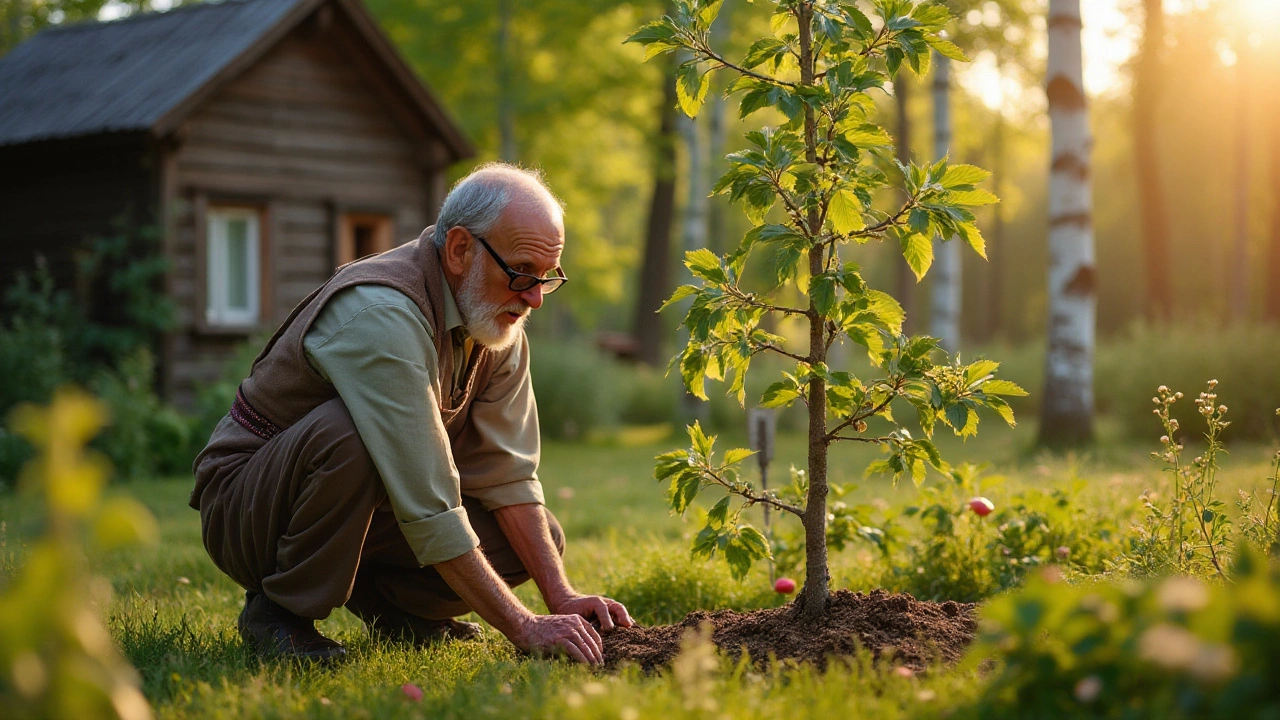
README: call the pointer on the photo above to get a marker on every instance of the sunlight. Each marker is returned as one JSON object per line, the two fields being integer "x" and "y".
{"x": 1259, "y": 14}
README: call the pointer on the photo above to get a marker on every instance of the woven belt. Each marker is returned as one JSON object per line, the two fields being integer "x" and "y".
{"x": 252, "y": 420}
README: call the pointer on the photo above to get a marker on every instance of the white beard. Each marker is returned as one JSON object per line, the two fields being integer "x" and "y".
{"x": 481, "y": 315}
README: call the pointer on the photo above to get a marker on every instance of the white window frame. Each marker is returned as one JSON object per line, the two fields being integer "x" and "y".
{"x": 217, "y": 312}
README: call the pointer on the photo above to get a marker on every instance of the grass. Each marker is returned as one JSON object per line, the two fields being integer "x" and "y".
{"x": 173, "y": 612}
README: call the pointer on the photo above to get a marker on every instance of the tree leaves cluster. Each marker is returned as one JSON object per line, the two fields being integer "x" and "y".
{"x": 808, "y": 186}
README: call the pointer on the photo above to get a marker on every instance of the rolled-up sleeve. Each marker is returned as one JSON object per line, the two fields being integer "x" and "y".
{"x": 377, "y": 351}
{"x": 497, "y": 455}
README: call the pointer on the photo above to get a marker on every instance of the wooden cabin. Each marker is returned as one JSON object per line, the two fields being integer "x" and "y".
{"x": 268, "y": 141}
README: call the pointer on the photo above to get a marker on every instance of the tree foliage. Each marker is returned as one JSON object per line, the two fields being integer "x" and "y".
{"x": 807, "y": 186}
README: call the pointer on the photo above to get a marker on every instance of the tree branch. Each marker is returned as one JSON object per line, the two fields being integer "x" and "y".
{"x": 875, "y": 441}
{"x": 744, "y": 491}
{"x": 852, "y": 419}
{"x": 750, "y": 300}
{"x": 705, "y": 49}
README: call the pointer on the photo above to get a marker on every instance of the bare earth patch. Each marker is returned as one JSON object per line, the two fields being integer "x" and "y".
{"x": 914, "y": 632}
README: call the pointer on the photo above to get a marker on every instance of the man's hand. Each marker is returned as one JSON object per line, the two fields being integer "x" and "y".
{"x": 607, "y": 613}
{"x": 570, "y": 634}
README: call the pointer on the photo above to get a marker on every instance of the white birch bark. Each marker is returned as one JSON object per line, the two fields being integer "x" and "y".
{"x": 1067, "y": 409}
{"x": 944, "y": 316}
{"x": 694, "y": 221}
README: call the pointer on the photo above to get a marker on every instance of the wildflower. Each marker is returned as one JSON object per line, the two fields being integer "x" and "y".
{"x": 1088, "y": 689}
{"x": 1168, "y": 646}
{"x": 1182, "y": 594}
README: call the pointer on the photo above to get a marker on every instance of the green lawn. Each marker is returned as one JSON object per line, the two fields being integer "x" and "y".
{"x": 174, "y": 613}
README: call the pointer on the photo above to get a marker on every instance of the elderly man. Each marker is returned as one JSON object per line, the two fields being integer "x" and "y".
{"x": 382, "y": 454}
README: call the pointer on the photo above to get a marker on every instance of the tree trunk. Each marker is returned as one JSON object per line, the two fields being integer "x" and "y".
{"x": 995, "y": 241}
{"x": 1272, "y": 286}
{"x": 905, "y": 280}
{"x": 694, "y": 231}
{"x": 944, "y": 318}
{"x": 715, "y": 110}
{"x": 506, "y": 88}
{"x": 815, "y": 597}
{"x": 1147, "y": 92}
{"x": 1067, "y": 410}
{"x": 655, "y": 273}
{"x": 1238, "y": 266}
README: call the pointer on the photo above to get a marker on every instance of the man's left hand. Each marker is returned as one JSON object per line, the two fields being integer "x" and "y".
{"x": 606, "y": 612}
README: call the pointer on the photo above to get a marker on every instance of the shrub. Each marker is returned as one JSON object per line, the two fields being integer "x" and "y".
{"x": 1243, "y": 356}
{"x": 575, "y": 386}
{"x": 1172, "y": 647}
{"x": 143, "y": 437}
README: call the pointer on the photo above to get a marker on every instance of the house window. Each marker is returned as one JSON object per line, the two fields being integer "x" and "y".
{"x": 361, "y": 235}
{"x": 233, "y": 246}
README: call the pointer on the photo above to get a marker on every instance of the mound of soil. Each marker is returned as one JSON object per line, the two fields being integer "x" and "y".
{"x": 915, "y": 633}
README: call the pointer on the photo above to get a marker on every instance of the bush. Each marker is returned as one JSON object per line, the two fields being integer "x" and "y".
{"x": 1174, "y": 647}
{"x": 1243, "y": 357}
{"x": 143, "y": 437}
{"x": 575, "y": 386}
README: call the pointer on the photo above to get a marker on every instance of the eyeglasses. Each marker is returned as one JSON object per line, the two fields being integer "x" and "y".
{"x": 521, "y": 282}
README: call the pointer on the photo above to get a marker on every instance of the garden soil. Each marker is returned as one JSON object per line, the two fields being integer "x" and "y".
{"x": 895, "y": 628}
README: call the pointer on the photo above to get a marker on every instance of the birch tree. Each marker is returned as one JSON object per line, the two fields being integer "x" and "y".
{"x": 1067, "y": 403}
{"x": 944, "y": 317}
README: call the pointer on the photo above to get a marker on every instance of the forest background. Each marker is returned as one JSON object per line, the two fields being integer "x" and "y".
{"x": 1186, "y": 177}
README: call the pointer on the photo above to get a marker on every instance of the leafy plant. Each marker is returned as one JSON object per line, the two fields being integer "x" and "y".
{"x": 1172, "y": 647}
{"x": 807, "y": 187}
{"x": 55, "y": 657}
{"x": 1260, "y": 523}
{"x": 1188, "y": 531}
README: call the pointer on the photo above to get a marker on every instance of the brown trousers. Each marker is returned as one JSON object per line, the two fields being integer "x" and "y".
{"x": 305, "y": 520}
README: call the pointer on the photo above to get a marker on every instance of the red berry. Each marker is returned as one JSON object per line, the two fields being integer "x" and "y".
{"x": 784, "y": 585}
{"x": 411, "y": 691}
{"x": 981, "y": 506}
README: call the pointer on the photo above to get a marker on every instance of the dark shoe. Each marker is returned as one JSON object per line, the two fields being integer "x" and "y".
{"x": 402, "y": 627}
{"x": 273, "y": 631}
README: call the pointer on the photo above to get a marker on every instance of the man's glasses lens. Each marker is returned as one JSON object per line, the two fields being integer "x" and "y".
{"x": 520, "y": 283}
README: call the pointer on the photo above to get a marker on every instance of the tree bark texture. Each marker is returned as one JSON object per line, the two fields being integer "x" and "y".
{"x": 904, "y": 280}
{"x": 655, "y": 271}
{"x": 1272, "y": 285}
{"x": 816, "y": 595}
{"x": 1238, "y": 267}
{"x": 1067, "y": 407}
{"x": 1148, "y": 89}
{"x": 944, "y": 317}
{"x": 506, "y": 88}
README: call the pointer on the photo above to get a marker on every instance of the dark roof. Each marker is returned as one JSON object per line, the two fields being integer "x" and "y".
{"x": 146, "y": 72}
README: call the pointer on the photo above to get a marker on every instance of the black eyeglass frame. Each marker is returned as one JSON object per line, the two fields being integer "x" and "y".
{"x": 530, "y": 280}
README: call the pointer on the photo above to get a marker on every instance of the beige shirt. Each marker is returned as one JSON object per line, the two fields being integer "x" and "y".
{"x": 375, "y": 346}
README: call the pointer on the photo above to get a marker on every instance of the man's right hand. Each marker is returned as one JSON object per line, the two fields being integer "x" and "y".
{"x": 569, "y": 634}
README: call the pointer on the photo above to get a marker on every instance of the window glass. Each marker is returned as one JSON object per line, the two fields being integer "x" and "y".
{"x": 232, "y": 272}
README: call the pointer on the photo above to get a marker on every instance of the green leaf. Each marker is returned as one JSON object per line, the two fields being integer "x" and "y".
{"x": 947, "y": 49}
{"x": 959, "y": 175}
{"x": 822, "y": 289}
{"x": 845, "y": 212}
{"x": 1003, "y": 410}
{"x": 702, "y": 444}
{"x": 780, "y": 394}
{"x": 860, "y": 20}
{"x": 918, "y": 252}
{"x": 670, "y": 463}
{"x": 973, "y": 238}
{"x": 885, "y": 307}
{"x": 737, "y": 455}
{"x": 972, "y": 198}
{"x": 691, "y": 88}
{"x": 681, "y": 293}
{"x": 693, "y": 364}
{"x": 707, "y": 14}
{"x": 705, "y": 264}
{"x": 719, "y": 513}
{"x": 1003, "y": 387}
{"x": 763, "y": 50}
{"x": 869, "y": 135}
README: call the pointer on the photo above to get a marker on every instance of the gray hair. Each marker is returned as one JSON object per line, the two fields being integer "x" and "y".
{"x": 477, "y": 201}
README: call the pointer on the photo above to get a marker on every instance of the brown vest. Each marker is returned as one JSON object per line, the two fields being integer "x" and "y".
{"x": 283, "y": 387}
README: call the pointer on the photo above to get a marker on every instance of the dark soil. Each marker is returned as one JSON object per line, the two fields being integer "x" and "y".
{"x": 897, "y": 626}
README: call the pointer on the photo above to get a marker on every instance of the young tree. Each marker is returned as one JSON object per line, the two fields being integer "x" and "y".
{"x": 807, "y": 188}
{"x": 1067, "y": 406}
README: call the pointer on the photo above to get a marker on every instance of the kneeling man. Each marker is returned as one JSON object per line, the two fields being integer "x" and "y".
{"x": 382, "y": 454}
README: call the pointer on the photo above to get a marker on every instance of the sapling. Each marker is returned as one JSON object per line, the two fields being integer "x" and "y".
{"x": 807, "y": 186}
